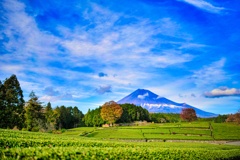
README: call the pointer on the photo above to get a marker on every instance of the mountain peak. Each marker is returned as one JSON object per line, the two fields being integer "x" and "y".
{"x": 141, "y": 96}
{"x": 141, "y": 90}
{"x": 154, "y": 103}
{"x": 143, "y": 93}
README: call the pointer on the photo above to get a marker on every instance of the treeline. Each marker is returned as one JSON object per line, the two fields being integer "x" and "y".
{"x": 165, "y": 117}
{"x": 130, "y": 113}
{"x": 218, "y": 119}
{"x": 173, "y": 117}
{"x": 45, "y": 118}
{"x": 33, "y": 115}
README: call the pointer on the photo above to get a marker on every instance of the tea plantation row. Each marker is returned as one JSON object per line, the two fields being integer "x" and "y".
{"x": 29, "y": 145}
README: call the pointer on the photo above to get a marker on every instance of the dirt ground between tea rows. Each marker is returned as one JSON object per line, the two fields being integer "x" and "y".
{"x": 237, "y": 143}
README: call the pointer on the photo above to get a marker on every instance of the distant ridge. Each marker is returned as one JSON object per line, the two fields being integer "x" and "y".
{"x": 156, "y": 104}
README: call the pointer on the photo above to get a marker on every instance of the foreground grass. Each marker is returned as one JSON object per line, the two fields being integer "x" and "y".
{"x": 118, "y": 153}
{"x": 100, "y": 143}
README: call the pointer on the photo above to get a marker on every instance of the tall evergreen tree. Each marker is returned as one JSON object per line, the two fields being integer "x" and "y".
{"x": 97, "y": 120}
{"x": 13, "y": 102}
{"x": 3, "y": 115}
{"x": 65, "y": 119}
{"x": 88, "y": 118}
{"x": 78, "y": 116}
{"x": 93, "y": 117}
{"x": 58, "y": 121}
{"x": 34, "y": 113}
{"x": 48, "y": 112}
{"x": 50, "y": 117}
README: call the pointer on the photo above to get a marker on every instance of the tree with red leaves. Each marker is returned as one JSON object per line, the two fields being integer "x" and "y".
{"x": 234, "y": 117}
{"x": 188, "y": 114}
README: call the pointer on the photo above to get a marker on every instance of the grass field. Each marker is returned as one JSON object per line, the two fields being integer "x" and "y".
{"x": 106, "y": 143}
{"x": 168, "y": 131}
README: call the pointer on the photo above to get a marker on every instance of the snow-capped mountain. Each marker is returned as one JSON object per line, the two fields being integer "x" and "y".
{"x": 154, "y": 103}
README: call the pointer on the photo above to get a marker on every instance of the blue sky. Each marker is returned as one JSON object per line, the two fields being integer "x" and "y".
{"x": 84, "y": 53}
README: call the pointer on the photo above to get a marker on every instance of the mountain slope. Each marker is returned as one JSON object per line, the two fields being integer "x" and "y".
{"x": 154, "y": 103}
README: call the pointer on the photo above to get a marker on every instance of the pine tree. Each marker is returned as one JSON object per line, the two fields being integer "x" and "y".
{"x": 13, "y": 102}
{"x": 3, "y": 123}
{"x": 34, "y": 113}
{"x": 50, "y": 117}
{"x": 78, "y": 116}
{"x": 48, "y": 112}
{"x": 93, "y": 117}
{"x": 87, "y": 118}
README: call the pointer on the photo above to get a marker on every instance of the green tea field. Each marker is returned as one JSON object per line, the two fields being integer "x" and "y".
{"x": 153, "y": 141}
{"x": 169, "y": 131}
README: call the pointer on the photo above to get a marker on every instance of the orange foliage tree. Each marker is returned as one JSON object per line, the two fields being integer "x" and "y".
{"x": 188, "y": 114}
{"x": 111, "y": 112}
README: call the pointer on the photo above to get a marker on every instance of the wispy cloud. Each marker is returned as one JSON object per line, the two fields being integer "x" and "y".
{"x": 21, "y": 30}
{"x": 210, "y": 74}
{"x": 204, "y": 5}
{"x": 97, "y": 43}
{"x": 193, "y": 95}
{"x": 50, "y": 95}
{"x": 104, "y": 89}
{"x": 50, "y": 91}
{"x": 222, "y": 92}
{"x": 24, "y": 41}
{"x": 130, "y": 42}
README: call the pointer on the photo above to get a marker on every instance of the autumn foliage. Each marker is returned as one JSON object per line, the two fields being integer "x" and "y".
{"x": 188, "y": 114}
{"x": 111, "y": 112}
{"x": 234, "y": 118}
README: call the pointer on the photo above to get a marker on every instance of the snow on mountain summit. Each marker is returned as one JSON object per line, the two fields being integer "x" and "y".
{"x": 143, "y": 96}
{"x": 155, "y": 104}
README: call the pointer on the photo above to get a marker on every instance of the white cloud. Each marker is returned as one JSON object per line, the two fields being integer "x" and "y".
{"x": 49, "y": 98}
{"x": 11, "y": 68}
{"x": 187, "y": 45}
{"x": 222, "y": 92}
{"x": 167, "y": 58}
{"x": 204, "y": 5}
